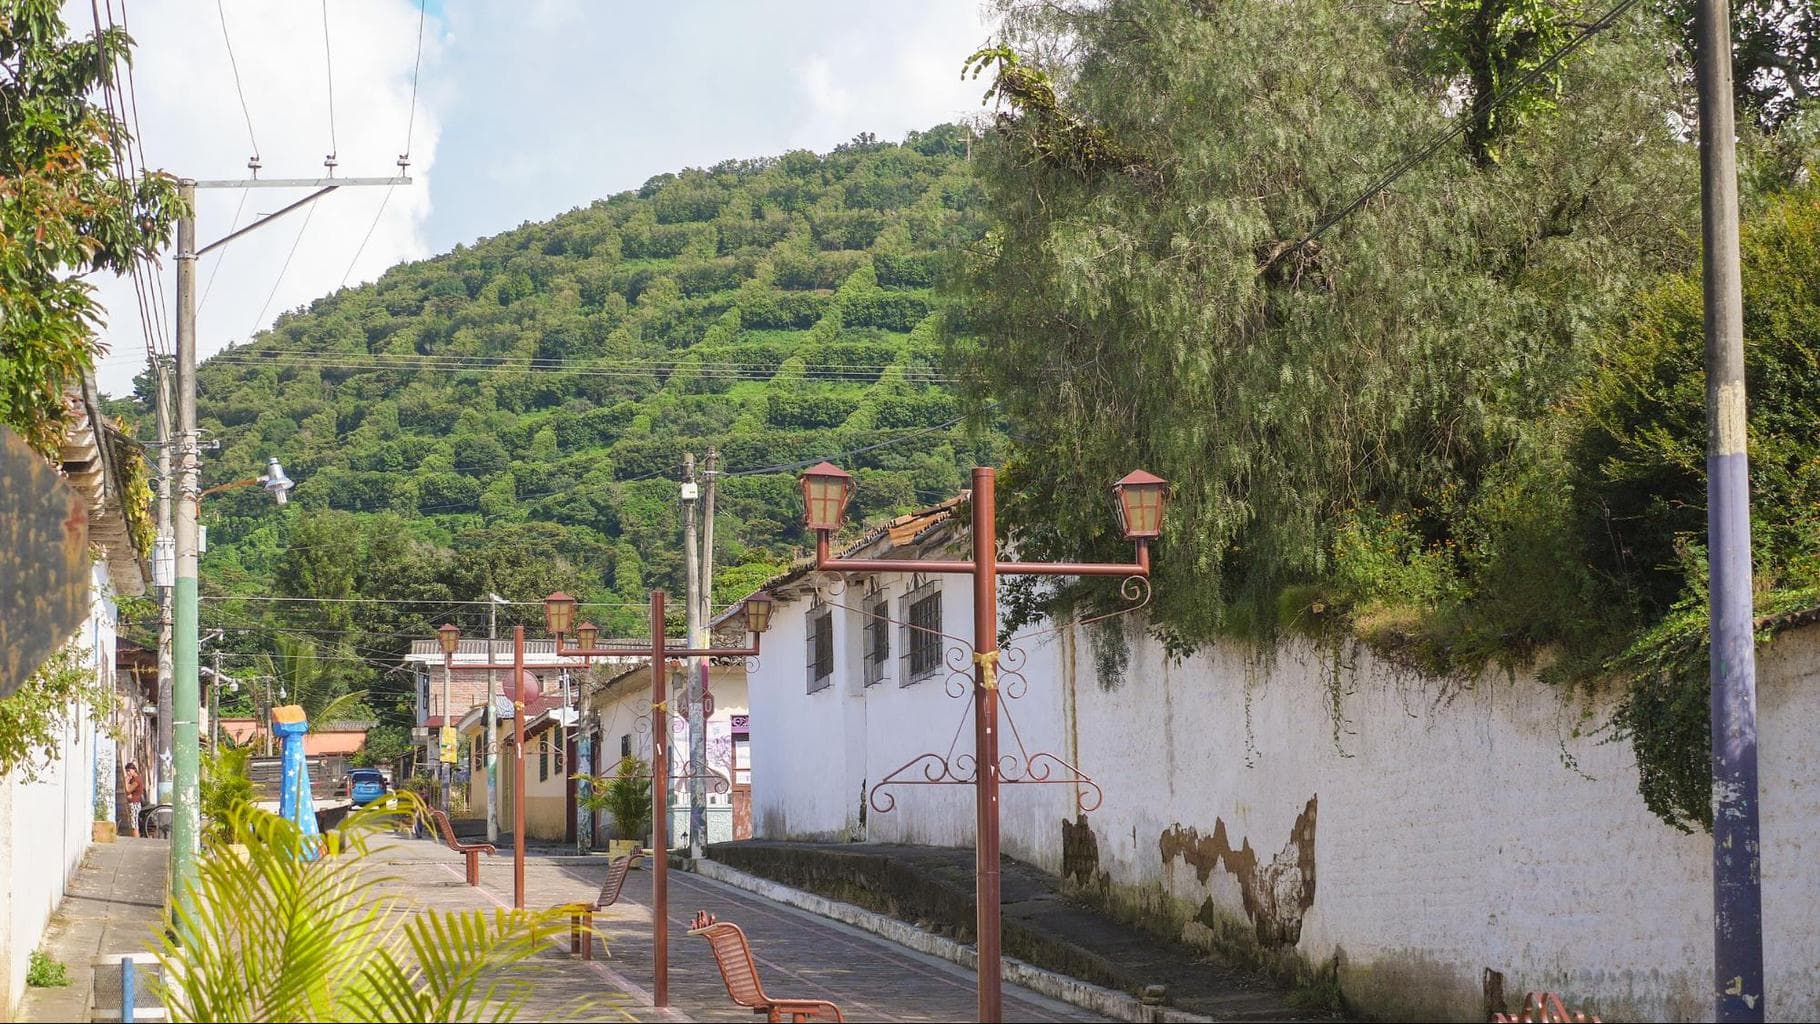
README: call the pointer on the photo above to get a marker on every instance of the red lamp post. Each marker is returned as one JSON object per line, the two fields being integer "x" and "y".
{"x": 559, "y": 616}
{"x": 449, "y": 637}
{"x": 1140, "y": 497}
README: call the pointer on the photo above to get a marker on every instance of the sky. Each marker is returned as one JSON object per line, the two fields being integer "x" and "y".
{"x": 522, "y": 111}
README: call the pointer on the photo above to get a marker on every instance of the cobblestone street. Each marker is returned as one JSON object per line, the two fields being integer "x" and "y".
{"x": 798, "y": 955}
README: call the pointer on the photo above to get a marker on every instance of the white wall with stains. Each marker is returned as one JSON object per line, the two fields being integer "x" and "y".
{"x": 46, "y": 822}
{"x": 1458, "y": 829}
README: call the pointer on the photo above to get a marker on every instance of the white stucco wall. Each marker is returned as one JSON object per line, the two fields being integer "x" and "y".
{"x": 46, "y": 824}
{"x": 1454, "y": 829}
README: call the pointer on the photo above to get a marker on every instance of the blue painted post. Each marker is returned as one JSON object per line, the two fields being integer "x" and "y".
{"x": 127, "y": 996}
{"x": 295, "y": 804}
{"x": 1737, "y": 877}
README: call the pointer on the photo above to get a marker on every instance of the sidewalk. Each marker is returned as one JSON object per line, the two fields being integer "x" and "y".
{"x": 932, "y": 887}
{"x": 799, "y": 955}
{"x": 115, "y": 904}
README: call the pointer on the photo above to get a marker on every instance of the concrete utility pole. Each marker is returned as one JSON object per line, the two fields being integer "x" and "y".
{"x": 165, "y": 557}
{"x": 186, "y": 818}
{"x": 692, "y": 615}
{"x": 492, "y": 754}
{"x": 698, "y": 711}
{"x": 1737, "y": 888}
{"x": 186, "y": 689}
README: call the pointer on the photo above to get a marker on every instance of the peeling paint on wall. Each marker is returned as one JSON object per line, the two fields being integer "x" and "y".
{"x": 1081, "y": 855}
{"x": 1276, "y": 895}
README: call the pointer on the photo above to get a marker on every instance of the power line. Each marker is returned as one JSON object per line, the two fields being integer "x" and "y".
{"x": 222, "y": 254}
{"x": 328, "y": 61}
{"x": 401, "y": 600}
{"x": 244, "y": 111}
{"x": 162, "y": 316}
{"x": 364, "y": 239}
{"x": 308, "y": 215}
{"x": 1483, "y": 106}
{"x": 410, "y": 125}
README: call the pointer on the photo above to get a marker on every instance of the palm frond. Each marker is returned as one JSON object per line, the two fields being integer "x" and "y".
{"x": 285, "y": 927}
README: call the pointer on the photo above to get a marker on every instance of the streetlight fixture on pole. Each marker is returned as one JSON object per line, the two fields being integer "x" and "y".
{"x": 1140, "y": 500}
{"x": 559, "y": 618}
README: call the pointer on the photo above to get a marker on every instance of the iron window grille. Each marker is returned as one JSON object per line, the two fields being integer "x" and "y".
{"x": 543, "y": 758}
{"x": 625, "y": 744}
{"x": 878, "y": 640}
{"x": 821, "y": 649}
{"x": 922, "y": 633}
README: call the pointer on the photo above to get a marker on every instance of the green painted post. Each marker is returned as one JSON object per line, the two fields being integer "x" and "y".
{"x": 186, "y": 688}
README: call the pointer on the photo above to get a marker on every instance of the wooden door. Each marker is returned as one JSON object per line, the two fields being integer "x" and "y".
{"x": 742, "y": 810}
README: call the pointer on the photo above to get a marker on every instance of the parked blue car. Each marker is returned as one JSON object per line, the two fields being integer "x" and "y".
{"x": 365, "y": 785}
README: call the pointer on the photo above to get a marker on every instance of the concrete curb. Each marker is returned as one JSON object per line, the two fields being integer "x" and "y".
{"x": 1114, "y": 1004}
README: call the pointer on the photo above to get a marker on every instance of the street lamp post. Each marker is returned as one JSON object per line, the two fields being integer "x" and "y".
{"x": 1140, "y": 499}
{"x": 559, "y": 618}
{"x": 449, "y": 637}
{"x": 186, "y": 696}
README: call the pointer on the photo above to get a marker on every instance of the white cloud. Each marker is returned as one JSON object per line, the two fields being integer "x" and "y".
{"x": 526, "y": 110}
{"x": 191, "y": 124}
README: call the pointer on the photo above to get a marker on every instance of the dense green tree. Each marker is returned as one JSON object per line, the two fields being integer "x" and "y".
{"x": 66, "y": 209}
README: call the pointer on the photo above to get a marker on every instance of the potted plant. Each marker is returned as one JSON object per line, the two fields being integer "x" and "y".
{"x": 626, "y": 795}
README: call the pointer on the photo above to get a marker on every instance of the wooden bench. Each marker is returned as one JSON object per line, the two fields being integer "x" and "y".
{"x": 733, "y": 954}
{"x": 472, "y": 851}
{"x": 1543, "y": 1006}
{"x": 581, "y": 915}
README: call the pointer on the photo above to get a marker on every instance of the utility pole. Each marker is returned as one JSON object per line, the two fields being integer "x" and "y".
{"x": 186, "y": 695}
{"x": 186, "y": 817}
{"x": 165, "y": 566}
{"x": 491, "y": 754}
{"x": 692, "y": 615}
{"x": 1737, "y": 887}
{"x": 698, "y": 710}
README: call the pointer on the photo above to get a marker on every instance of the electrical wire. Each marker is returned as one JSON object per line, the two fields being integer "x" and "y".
{"x": 308, "y": 215}
{"x": 221, "y": 254}
{"x": 410, "y": 125}
{"x": 1483, "y": 106}
{"x": 328, "y": 62}
{"x": 364, "y": 239}
{"x": 245, "y": 112}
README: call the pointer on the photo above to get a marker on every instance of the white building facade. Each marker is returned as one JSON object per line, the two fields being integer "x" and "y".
{"x": 1431, "y": 840}
{"x": 48, "y": 810}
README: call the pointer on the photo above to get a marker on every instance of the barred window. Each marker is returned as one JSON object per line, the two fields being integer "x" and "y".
{"x": 923, "y": 633}
{"x": 821, "y": 649}
{"x": 878, "y": 640}
{"x": 543, "y": 758}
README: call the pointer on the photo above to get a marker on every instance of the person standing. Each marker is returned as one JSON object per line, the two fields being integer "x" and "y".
{"x": 135, "y": 795}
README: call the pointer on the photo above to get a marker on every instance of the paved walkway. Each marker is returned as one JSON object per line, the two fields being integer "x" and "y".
{"x": 115, "y": 905}
{"x": 799, "y": 955}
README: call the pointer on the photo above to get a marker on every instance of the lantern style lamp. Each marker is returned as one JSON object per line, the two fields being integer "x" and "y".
{"x": 276, "y": 483}
{"x": 586, "y": 634}
{"x": 826, "y": 490}
{"x": 449, "y": 636}
{"x": 1140, "y": 504}
{"x": 558, "y": 613}
{"x": 758, "y": 612}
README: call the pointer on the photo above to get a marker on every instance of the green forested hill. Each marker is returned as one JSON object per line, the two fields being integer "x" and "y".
{"x": 510, "y": 416}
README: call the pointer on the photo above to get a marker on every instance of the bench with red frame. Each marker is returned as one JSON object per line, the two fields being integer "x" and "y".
{"x": 471, "y": 851}
{"x": 733, "y": 954}
{"x": 581, "y": 915}
{"x": 1544, "y": 1006}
